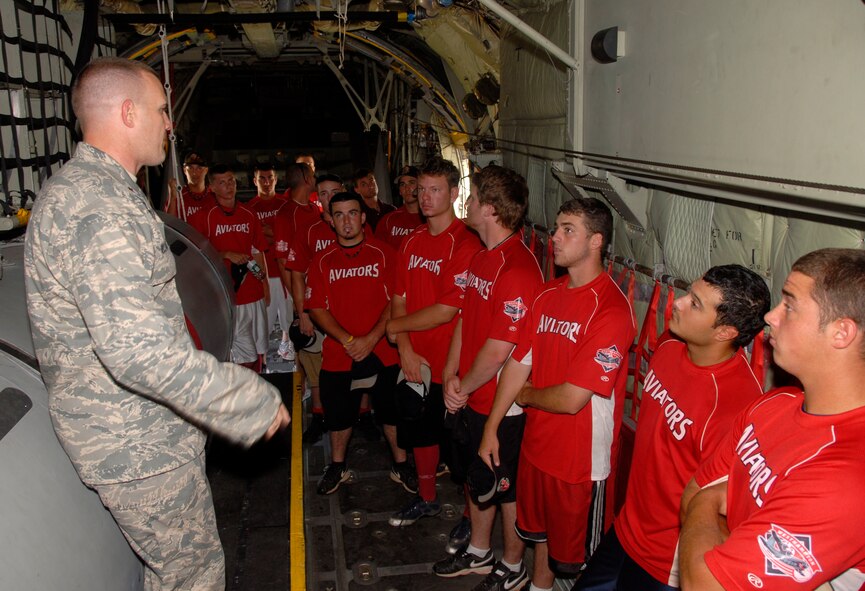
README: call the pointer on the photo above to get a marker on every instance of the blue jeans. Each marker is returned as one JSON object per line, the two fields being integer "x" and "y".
{"x": 611, "y": 569}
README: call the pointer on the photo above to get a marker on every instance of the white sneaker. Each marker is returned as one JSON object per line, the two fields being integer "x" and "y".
{"x": 286, "y": 350}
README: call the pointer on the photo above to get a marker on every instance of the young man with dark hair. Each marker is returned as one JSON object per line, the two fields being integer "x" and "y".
{"x": 432, "y": 273}
{"x": 576, "y": 352}
{"x": 196, "y": 195}
{"x": 779, "y": 504}
{"x": 308, "y": 241}
{"x": 365, "y": 185}
{"x": 503, "y": 280}
{"x": 396, "y": 225}
{"x": 234, "y": 230}
{"x": 350, "y": 285}
{"x": 266, "y": 205}
{"x": 697, "y": 382}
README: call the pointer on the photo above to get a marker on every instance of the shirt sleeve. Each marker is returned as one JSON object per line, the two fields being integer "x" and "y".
{"x": 316, "y": 286}
{"x": 299, "y": 255}
{"x": 797, "y": 540}
{"x": 454, "y": 274}
{"x": 512, "y": 295}
{"x": 123, "y": 284}
{"x": 602, "y": 352}
{"x": 282, "y": 234}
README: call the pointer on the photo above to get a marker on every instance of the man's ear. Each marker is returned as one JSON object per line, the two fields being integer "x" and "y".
{"x": 725, "y": 332}
{"x": 843, "y": 333}
{"x": 127, "y": 113}
{"x": 455, "y": 192}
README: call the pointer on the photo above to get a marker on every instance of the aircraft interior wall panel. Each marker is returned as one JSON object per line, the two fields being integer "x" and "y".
{"x": 682, "y": 226}
{"x": 801, "y": 236}
{"x": 739, "y": 235}
{"x": 535, "y": 85}
{"x": 771, "y": 88}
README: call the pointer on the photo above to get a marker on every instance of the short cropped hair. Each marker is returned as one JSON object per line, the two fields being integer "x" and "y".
{"x": 438, "y": 166}
{"x": 506, "y": 191}
{"x": 596, "y": 216}
{"x": 218, "y": 169}
{"x": 360, "y": 173}
{"x": 839, "y": 282}
{"x": 104, "y": 79}
{"x": 346, "y": 196}
{"x": 296, "y": 173}
{"x": 745, "y": 299}
{"x": 332, "y": 178}
{"x": 263, "y": 167}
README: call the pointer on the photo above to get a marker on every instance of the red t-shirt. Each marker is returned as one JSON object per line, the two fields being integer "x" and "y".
{"x": 355, "y": 286}
{"x": 502, "y": 284}
{"x": 290, "y": 218}
{"x": 794, "y": 497}
{"x": 235, "y": 231}
{"x": 434, "y": 270}
{"x": 396, "y": 225}
{"x": 266, "y": 210}
{"x": 686, "y": 412}
{"x": 194, "y": 202}
{"x": 581, "y": 336}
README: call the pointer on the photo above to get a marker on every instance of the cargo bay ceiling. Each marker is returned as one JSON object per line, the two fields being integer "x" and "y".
{"x": 305, "y": 69}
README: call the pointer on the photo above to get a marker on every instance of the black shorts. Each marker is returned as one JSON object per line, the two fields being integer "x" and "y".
{"x": 510, "y": 438}
{"x": 342, "y": 404}
{"x": 426, "y": 430}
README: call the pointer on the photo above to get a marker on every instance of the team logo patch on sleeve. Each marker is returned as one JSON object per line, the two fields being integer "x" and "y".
{"x": 462, "y": 280}
{"x": 608, "y": 358}
{"x": 788, "y": 555}
{"x": 292, "y": 256}
{"x": 515, "y": 309}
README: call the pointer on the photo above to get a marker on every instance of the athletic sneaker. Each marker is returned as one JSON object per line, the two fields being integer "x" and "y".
{"x": 314, "y": 430}
{"x": 442, "y": 469}
{"x": 465, "y": 563}
{"x": 334, "y": 475}
{"x": 504, "y": 579}
{"x": 415, "y": 510}
{"x": 403, "y": 474}
{"x": 286, "y": 350}
{"x": 459, "y": 536}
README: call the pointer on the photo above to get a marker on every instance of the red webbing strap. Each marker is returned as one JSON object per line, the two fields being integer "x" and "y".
{"x": 551, "y": 266}
{"x": 668, "y": 306}
{"x": 533, "y": 242}
{"x": 632, "y": 288}
{"x": 193, "y": 333}
{"x": 758, "y": 358}
{"x": 645, "y": 346}
{"x": 610, "y": 267}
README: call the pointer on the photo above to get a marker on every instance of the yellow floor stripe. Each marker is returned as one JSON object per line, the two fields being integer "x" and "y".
{"x": 297, "y": 539}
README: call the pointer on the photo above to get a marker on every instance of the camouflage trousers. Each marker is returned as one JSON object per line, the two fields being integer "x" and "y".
{"x": 169, "y": 521}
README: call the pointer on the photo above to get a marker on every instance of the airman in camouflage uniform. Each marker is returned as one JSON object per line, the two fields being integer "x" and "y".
{"x": 129, "y": 394}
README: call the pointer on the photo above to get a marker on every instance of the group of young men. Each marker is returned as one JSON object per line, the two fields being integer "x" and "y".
{"x": 522, "y": 382}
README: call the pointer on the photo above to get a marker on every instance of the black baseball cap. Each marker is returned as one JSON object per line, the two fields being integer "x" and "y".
{"x": 411, "y": 397}
{"x": 407, "y": 170}
{"x": 300, "y": 340}
{"x": 364, "y": 373}
{"x": 194, "y": 158}
{"x": 486, "y": 485}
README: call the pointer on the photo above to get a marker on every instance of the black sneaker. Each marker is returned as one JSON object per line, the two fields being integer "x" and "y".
{"x": 465, "y": 563}
{"x": 415, "y": 510}
{"x": 504, "y": 579}
{"x": 403, "y": 474}
{"x": 334, "y": 475}
{"x": 367, "y": 427}
{"x": 459, "y": 536}
{"x": 314, "y": 430}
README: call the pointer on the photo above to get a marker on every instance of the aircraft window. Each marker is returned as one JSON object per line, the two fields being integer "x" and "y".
{"x": 14, "y": 404}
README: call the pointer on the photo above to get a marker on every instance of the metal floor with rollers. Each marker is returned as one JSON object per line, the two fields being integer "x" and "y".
{"x": 345, "y": 541}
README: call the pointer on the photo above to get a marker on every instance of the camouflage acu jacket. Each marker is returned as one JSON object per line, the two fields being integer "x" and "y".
{"x": 128, "y": 391}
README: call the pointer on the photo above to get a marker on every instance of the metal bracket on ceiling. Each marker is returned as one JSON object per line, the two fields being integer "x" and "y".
{"x": 369, "y": 114}
{"x": 631, "y": 205}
